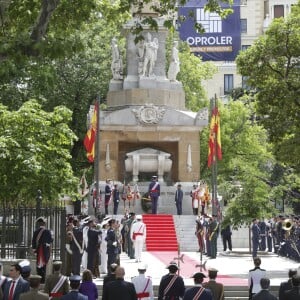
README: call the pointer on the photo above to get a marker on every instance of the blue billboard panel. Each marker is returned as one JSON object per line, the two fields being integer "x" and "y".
{"x": 222, "y": 37}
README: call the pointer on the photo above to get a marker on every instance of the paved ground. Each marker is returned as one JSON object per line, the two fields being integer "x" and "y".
{"x": 233, "y": 267}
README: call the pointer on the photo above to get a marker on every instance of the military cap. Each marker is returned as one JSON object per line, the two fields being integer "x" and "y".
{"x": 40, "y": 220}
{"x": 75, "y": 278}
{"x": 139, "y": 217}
{"x": 154, "y": 177}
{"x": 142, "y": 266}
{"x": 57, "y": 262}
{"x": 35, "y": 277}
{"x": 198, "y": 275}
{"x": 212, "y": 271}
{"x": 172, "y": 264}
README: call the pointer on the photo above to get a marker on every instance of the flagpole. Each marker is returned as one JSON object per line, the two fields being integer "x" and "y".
{"x": 214, "y": 167}
{"x": 97, "y": 159}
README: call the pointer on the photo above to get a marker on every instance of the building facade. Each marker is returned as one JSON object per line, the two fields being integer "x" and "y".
{"x": 255, "y": 17}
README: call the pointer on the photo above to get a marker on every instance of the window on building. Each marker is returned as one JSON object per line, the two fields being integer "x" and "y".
{"x": 245, "y": 86}
{"x": 278, "y": 11}
{"x": 228, "y": 83}
{"x": 245, "y": 47}
{"x": 244, "y": 25}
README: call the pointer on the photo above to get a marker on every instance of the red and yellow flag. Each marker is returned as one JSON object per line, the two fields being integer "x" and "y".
{"x": 214, "y": 143}
{"x": 90, "y": 137}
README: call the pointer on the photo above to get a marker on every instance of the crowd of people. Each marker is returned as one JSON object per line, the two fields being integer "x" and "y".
{"x": 280, "y": 235}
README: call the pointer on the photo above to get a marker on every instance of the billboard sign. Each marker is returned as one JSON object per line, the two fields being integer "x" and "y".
{"x": 221, "y": 40}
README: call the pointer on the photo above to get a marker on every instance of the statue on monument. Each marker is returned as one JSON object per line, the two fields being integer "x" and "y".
{"x": 116, "y": 64}
{"x": 147, "y": 53}
{"x": 174, "y": 67}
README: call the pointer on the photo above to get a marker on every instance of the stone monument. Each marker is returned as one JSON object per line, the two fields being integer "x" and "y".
{"x": 146, "y": 125}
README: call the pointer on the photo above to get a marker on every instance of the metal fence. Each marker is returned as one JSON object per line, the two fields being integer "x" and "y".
{"x": 17, "y": 227}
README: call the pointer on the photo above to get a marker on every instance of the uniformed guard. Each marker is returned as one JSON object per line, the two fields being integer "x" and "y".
{"x": 34, "y": 293}
{"x": 255, "y": 237}
{"x": 41, "y": 245}
{"x": 74, "y": 293}
{"x": 171, "y": 286}
{"x": 138, "y": 236}
{"x": 198, "y": 292}
{"x": 56, "y": 284}
{"x": 143, "y": 284}
{"x": 107, "y": 197}
{"x": 213, "y": 236}
{"x": 154, "y": 193}
{"x": 76, "y": 246}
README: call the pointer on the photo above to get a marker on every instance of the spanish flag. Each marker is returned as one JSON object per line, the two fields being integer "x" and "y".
{"x": 214, "y": 143}
{"x": 90, "y": 137}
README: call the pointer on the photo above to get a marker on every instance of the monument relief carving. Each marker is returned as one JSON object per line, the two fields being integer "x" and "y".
{"x": 149, "y": 114}
{"x": 116, "y": 64}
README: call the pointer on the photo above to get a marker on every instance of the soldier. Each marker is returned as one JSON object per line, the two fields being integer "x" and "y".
{"x": 171, "y": 285}
{"x": 198, "y": 292}
{"x": 138, "y": 236}
{"x": 216, "y": 288}
{"x": 200, "y": 234}
{"x": 56, "y": 284}
{"x": 107, "y": 197}
{"x": 226, "y": 237}
{"x": 112, "y": 243}
{"x": 213, "y": 236}
{"x": 74, "y": 293}
{"x": 116, "y": 198}
{"x": 178, "y": 199}
{"x": 69, "y": 228}
{"x": 34, "y": 293}
{"x": 94, "y": 241}
{"x": 41, "y": 245}
{"x": 254, "y": 277}
{"x": 195, "y": 200}
{"x": 263, "y": 228}
{"x": 154, "y": 193}
{"x": 255, "y": 237}
{"x": 76, "y": 247}
{"x": 143, "y": 285}
{"x": 128, "y": 224}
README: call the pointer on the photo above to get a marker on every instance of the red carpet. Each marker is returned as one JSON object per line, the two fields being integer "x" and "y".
{"x": 161, "y": 234}
{"x": 188, "y": 268}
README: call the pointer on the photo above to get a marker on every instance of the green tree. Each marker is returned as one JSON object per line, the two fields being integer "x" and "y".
{"x": 272, "y": 66}
{"x": 246, "y": 165}
{"x": 35, "y": 154}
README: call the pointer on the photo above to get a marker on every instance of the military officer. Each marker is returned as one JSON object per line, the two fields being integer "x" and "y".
{"x": 74, "y": 293}
{"x": 34, "y": 293}
{"x": 154, "y": 193}
{"x": 138, "y": 236}
{"x": 143, "y": 285}
{"x": 56, "y": 284}
{"x": 171, "y": 285}
{"x": 216, "y": 288}
{"x": 107, "y": 196}
{"x": 213, "y": 236}
{"x": 255, "y": 237}
{"x": 198, "y": 292}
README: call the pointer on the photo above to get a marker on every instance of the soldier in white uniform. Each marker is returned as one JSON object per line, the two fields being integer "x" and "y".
{"x": 138, "y": 236}
{"x": 143, "y": 284}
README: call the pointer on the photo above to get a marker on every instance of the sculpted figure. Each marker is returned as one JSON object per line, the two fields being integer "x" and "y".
{"x": 174, "y": 67}
{"x": 116, "y": 64}
{"x": 149, "y": 55}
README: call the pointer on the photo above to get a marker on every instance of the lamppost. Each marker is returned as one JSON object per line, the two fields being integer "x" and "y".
{"x": 38, "y": 203}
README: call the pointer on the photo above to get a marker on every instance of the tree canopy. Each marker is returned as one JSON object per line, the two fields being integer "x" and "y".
{"x": 35, "y": 154}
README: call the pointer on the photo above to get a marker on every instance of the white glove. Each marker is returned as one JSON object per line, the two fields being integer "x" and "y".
{"x": 115, "y": 244}
{"x": 68, "y": 249}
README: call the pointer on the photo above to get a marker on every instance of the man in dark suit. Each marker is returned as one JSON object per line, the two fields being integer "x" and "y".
{"x": 171, "y": 285}
{"x": 119, "y": 288}
{"x": 264, "y": 293}
{"x": 255, "y": 237}
{"x": 17, "y": 285}
{"x": 41, "y": 245}
{"x": 34, "y": 293}
{"x": 178, "y": 199}
{"x": 198, "y": 292}
{"x": 286, "y": 285}
{"x": 216, "y": 288}
{"x": 74, "y": 293}
{"x": 111, "y": 276}
{"x": 294, "y": 293}
{"x": 154, "y": 193}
